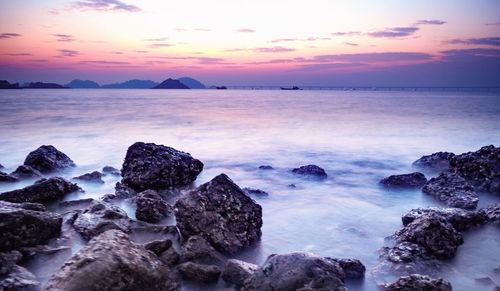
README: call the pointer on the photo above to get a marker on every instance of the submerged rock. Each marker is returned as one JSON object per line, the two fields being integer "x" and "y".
{"x": 94, "y": 177}
{"x": 266, "y": 167}
{"x": 26, "y": 224}
{"x": 437, "y": 162}
{"x": 222, "y": 213}
{"x": 453, "y": 190}
{"x": 310, "y": 170}
{"x": 111, "y": 261}
{"x": 151, "y": 207}
{"x": 26, "y": 172}
{"x": 412, "y": 180}
{"x": 416, "y": 282}
{"x": 6, "y": 178}
{"x": 48, "y": 159}
{"x": 111, "y": 170}
{"x": 121, "y": 192}
{"x": 151, "y": 166}
{"x": 353, "y": 269}
{"x": 100, "y": 217}
{"x": 198, "y": 272}
{"x": 236, "y": 272}
{"x": 18, "y": 279}
{"x": 44, "y": 190}
{"x": 460, "y": 219}
{"x": 255, "y": 192}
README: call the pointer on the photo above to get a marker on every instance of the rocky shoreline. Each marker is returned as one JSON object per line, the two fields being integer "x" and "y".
{"x": 217, "y": 220}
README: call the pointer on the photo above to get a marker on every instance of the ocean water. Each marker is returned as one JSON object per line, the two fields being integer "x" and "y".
{"x": 357, "y": 137}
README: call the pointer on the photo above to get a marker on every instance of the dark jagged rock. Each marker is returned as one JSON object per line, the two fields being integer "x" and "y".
{"x": 353, "y": 269}
{"x": 100, "y": 217}
{"x": 151, "y": 207}
{"x": 460, "y": 219}
{"x": 26, "y": 224}
{"x": 44, "y": 190}
{"x": 151, "y": 166}
{"x": 222, "y": 213}
{"x": 48, "y": 159}
{"x": 6, "y": 178}
{"x": 158, "y": 246}
{"x": 121, "y": 192}
{"x": 94, "y": 177}
{"x": 416, "y": 282}
{"x": 198, "y": 272}
{"x": 1, "y": 166}
{"x": 198, "y": 250}
{"x": 480, "y": 168}
{"x": 255, "y": 192}
{"x": 76, "y": 204}
{"x": 26, "y": 172}
{"x": 311, "y": 171}
{"x": 412, "y": 180}
{"x": 266, "y": 167}
{"x": 8, "y": 260}
{"x": 437, "y": 162}
{"x": 453, "y": 190}
{"x": 111, "y": 261}
{"x": 19, "y": 279}
{"x": 171, "y": 84}
{"x": 296, "y": 271}
{"x": 111, "y": 170}
{"x": 170, "y": 257}
{"x": 236, "y": 272}
{"x": 493, "y": 213}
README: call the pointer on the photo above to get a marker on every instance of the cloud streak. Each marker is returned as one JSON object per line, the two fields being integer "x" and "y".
{"x": 395, "y": 32}
{"x": 9, "y": 35}
{"x": 64, "y": 37}
{"x": 67, "y": 53}
{"x": 430, "y": 22}
{"x": 245, "y": 30}
{"x": 105, "y": 5}
{"x": 276, "y": 49}
{"x": 491, "y": 41}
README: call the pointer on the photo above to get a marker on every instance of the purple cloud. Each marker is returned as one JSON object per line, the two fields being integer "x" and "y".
{"x": 9, "y": 35}
{"x": 276, "y": 49}
{"x": 245, "y": 30}
{"x": 345, "y": 33}
{"x": 67, "y": 53}
{"x": 351, "y": 43}
{"x": 108, "y": 63}
{"x": 493, "y": 41}
{"x": 105, "y": 5}
{"x": 395, "y": 32}
{"x": 39, "y": 61}
{"x": 476, "y": 52}
{"x": 311, "y": 38}
{"x": 160, "y": 45}
{"x": 328, "y": 66}
{"x": 142, "y": 52}
{"x": 430, "y": 22}
{"x": 374, "y": 57}
{"x": 17, "y": 54}
{"x": 64, "y": 37}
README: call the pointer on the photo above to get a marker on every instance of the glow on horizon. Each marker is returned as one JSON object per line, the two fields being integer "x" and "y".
{"x": 237, "y": 42}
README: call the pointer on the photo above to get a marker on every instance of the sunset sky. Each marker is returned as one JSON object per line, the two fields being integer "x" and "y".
{"x": 253, "y": 42}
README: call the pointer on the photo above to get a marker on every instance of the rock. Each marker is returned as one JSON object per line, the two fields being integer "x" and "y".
{"x": 493, "y": 213}
{"x": 26, "y": 224}
{"x": 198, "y": 272}
{"x": 26, "y": 172}
{"x": 310, "y": 170}
{"x": 453, "y": 190}
{"x": 8, "y": 261}
{"x": 417, "y": 282}
{"x": 292, "y": 186}
{"x": 480, "y": 168}
{"x": 353, "y": 269}
{"x": 19, "y": 279}
{"x": 48, "y": 159}
{"x": 296, "y": 271}
{"x": 44, "y": 190}
{"x": 76, "y": 204}
{"x": 222, "y": 213}
{"x": 121, "y": 192}
{"x": 197, "y": 249}
{"x": 255, "y": 192}
{"x": 100, "y": 217}
{"x": 432, "y": 232}
{"x": 170, "y": 257}
{"x": 151, "y": 166}
{"x": 1, "y": 166}
{"x": 236, "y": 272}
{"x": 94, "y": 177}
{"x": 111, "y": 170}
{"x": 6, "y": 178}
{"x": 412, "y": 180}
{"x": 151, "y": 207}
{"x": 437, "y": 162}
{"x": 266, "y": 167}
{"x": 158, "y": 246}
{"x": 111, "y": 261}
{"x": 460, "y": 219}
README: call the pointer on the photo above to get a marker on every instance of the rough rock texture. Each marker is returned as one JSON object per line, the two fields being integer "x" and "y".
{"x": 48, "y": 159}
{"x": 44, "y": 190}
{"x": 432, "y": 232}
{"x": 151, "y": 207}
{"x": 158, "y": 246}
{"x": 353, "y": 269}
{"x": 121, "y": 192}
{"x": 236, "y": 272}
{"x": 460, "y": 219}
{"x": 170, "y": 257}
{"x": 296, "y": 271}
{"x": 493, "y": 213}
{"x": 6, "y": 178}
{"x": 26, "y": 172}
{"x": 26, "y": 224}
{"x": 197, "y": 249}
{"x": 255, "y": 192}
{"x": 412, "y": 180}
{"x": 18, "y": 279}
{"x": 310, "y": 170}
{"x": 453, "y": 190}
{"x": 95, "y": 177}
{"x": 437, "y": 162}
{"x": 151, "y": 166}
{"x": 480, "y": 168}
{"x": 198, "y": 272}
{"x": 111, "y": 261}
{"x": 100, "y": 217}
{"x": 417, "y": 282}
{"x": 222, "y": 213}
{"x": 111, "y": 170}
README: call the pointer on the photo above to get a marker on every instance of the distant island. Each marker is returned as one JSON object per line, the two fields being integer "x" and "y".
{"x": 132, "y": 84}
{"x": 34, "y": 85}
{"x": 171, "y": 84}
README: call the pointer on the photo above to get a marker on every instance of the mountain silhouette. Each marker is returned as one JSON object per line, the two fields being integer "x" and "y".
{"x": 77, "y": 83}
{"x": 171, "y": 84}
{"x": 192, "y": 83}
{"x": 132, "y": 84}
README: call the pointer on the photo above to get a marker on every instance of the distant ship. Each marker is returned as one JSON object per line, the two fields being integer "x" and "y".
{"x": 290, "y": 88}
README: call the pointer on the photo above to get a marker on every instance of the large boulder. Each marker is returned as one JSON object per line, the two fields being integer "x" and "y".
{"x": 198, "y": 250}
{"x": 199, "y": 272}
{"x": 222, "y": 213}
{"x": 44, "y": 190}
{"x": 460, "y": 219}
{"x": 151, "y": 207}
{"x": 353, "y": 268}
{"x": 100, "y": 217}
{"x": 151, "y": 166}
{"x": 26, "y": 172}
{"x": 311, "y": 171}
{"x": 26, "y": 224}
{"x": 416, "y": 282}
{"x": 296, "y": 271}
{"x": 111, "y": 261}
{"x": 453, "y": 190}
{"x": 412, "y": 180}
{"x": 48, "y": 159}
{"x": 6, "y": 178}
{"x": 437, "y": 162}
{"x": 480, "y": 168}
{"x": 236, "y": 272}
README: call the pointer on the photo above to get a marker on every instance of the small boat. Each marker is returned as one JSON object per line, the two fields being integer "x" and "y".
{"x": 290, "y": 88}
{"x": 221, "y": 88}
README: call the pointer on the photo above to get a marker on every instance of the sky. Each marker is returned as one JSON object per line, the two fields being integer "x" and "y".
{"x": 253, "y": 42}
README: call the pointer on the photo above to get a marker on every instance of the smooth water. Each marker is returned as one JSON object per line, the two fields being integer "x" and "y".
{"x": 357, "y": 137}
